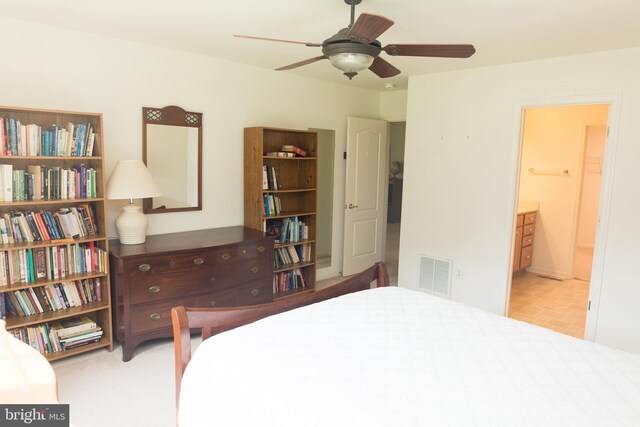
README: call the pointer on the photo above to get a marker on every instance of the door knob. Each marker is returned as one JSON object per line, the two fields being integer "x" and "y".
{"x": 352, "y": 206}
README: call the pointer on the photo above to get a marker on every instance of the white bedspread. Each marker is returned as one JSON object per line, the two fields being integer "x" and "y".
{"x": 396, "y": 357}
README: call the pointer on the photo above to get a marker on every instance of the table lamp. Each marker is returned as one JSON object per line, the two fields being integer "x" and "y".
{"x": 130, "y": 179}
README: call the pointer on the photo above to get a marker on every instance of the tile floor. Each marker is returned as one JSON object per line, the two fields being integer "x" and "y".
{"x": 554, "y": 304}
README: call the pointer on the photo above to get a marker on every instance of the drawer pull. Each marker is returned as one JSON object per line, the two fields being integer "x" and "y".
{"x": 254, "y": 270}
{"x": 198, "y": 261}
{"x": 255, "y": 292}
{"x": 213, "y": 279}
{"x": 154, "y": 289}
{"x": 144, "y": 267}
{"x": 261, "y": 249}
{"x": 213, "y": 302}
{"x": 172, "y": 263}
{"x": 154, "y": 316}
{"x": 244, "y": 251}
{"x": 226, "y": 257}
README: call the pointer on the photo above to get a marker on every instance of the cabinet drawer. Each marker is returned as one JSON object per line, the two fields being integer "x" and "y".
{"x": 525, "y": 256}
{"x": 528, "y": 229}
{"x": 148, "y": 317}
{"x": 189, "y": 262}
{"x": 530, "y": 218}
{"x": 183, "y": 285}
{"x": 527, "y": 240}
{"x": 242, "y": 252}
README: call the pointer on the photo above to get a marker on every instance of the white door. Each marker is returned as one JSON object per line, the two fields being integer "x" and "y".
{"x": 366, "y": 178}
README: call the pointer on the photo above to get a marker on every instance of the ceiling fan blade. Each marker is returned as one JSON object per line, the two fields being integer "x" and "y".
{"x": 310, "y": 44}
{"x": 301, "y": 63}
{"x": 368, "y": 27}
{"x": 435, "y": 50}
{"x": 383, "y": 69}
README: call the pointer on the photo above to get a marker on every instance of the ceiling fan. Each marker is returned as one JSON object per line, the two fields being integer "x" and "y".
{"x": 355, "y": 48}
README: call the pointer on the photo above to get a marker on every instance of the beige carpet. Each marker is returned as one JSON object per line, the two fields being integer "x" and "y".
{"x": 104, "y": 391}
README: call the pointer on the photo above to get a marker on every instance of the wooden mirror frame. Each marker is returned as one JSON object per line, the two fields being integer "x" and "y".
{"x": 172, "y": 116}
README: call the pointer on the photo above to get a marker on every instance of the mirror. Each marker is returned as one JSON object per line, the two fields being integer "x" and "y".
{"x": 172, "y": 151}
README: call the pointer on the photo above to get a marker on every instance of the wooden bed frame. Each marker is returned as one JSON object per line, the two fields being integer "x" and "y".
{"x": 212, "y": 321}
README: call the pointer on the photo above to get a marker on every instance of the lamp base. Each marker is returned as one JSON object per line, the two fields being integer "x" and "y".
{"x": 132, "y": 225}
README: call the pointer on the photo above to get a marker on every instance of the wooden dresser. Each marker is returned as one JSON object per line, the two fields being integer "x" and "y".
{"x": 206, "y": 268}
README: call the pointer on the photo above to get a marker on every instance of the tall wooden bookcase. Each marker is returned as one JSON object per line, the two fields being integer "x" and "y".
{"x": 97, "y": 244}
{"x": 295, "y": 196}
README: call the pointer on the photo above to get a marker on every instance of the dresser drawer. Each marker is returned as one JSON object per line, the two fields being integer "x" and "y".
{"x": 194, "y": 263}
{"x": 182, "y": 285}
{"x": 527, "y": 240}
{"x": 149, "y": 317}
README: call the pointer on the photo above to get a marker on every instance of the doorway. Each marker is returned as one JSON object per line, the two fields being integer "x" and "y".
{"x": 324, "y": 202}
{"x": 562, "y": 154}
{"x": 397, "y": 132}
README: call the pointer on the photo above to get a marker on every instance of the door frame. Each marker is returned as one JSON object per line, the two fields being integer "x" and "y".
{"x": 613, "y": 99}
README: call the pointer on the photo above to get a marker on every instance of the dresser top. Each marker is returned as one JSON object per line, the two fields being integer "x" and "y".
{"x": 186, "y": 240}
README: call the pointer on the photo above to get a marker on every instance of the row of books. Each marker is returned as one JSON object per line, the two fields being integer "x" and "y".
{"x": 286, "y": 230}
{"x": 66, "y": 223}
{"x": 23, "y": 139}
{"x": 55, "y": 337}
{"x": 52, "y": 297}
{"x": 270, "y": 178}
{"x": 291, "y": 255}
{"x": 288, "y": 280}
{"x": 287, "y": 151}
{"x": 272, "y": 205}
{"x": 40, "y": 182}
{"x": 51, "y": 263}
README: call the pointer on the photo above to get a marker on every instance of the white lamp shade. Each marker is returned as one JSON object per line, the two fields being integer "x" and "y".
{"x": 130, "y": 179}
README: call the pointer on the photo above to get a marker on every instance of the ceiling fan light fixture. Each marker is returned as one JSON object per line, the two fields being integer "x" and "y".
{"x": 351, "y": 63}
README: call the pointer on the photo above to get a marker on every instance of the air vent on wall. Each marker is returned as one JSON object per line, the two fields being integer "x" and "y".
{"x": 435, "y": 276}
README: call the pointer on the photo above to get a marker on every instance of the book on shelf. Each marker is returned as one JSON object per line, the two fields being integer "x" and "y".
{"x": 53, "y": 297}
{"x": 270, "y": 179}
{"x": 69, "y": 327}
{"x": 24, "y": 139}
{"x": 279, "y": 154}
{"x": 54, "y": 337}
{"x": 293, "y": 149}
{"x": 288, "y": 280}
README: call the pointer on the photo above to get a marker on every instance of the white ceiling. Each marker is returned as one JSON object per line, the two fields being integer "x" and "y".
{"x": 502, "y": 31}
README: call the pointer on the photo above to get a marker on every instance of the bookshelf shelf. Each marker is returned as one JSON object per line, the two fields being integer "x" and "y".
{"x": 299, "y": 242}
{"x": 46, "y": 181}
{"x": 38, "y": 283}
{"x": 295, "y": 188}
{"x": 289, "y": 190}
{"x": 104, "y": 342}
{"x": 14, "y": 321}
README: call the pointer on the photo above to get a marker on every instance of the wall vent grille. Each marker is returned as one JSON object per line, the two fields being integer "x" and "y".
{"x": 435, "y": 276}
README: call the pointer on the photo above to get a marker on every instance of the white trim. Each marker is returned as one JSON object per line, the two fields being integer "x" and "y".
{"x": 613, "y": 99}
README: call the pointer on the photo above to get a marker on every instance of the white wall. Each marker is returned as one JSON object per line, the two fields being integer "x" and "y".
{"x": 554, "y": 140}
{"x": 45, "y": 67}
{"x": 460, "y": 170}
{"x": 393, "y": 106}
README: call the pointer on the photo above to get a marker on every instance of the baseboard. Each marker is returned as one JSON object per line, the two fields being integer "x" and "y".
{"x": 551, "y": 274}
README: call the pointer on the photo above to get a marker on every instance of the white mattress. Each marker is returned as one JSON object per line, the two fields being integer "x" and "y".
{"x": 396, "y": 357}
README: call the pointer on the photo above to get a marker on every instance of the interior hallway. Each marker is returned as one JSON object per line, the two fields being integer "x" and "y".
{"x": 391, "y": 258}
{"x": 553, "y": 304}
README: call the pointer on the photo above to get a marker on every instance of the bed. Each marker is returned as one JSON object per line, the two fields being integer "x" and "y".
{"x": 390, "y": 356}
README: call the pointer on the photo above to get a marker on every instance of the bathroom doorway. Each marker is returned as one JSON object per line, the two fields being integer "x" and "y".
{"x": 562, "y": 155}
